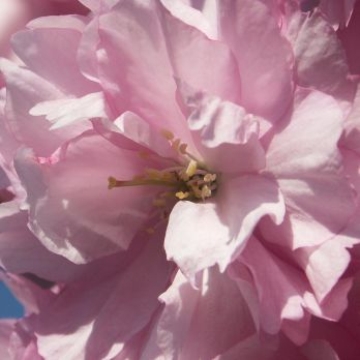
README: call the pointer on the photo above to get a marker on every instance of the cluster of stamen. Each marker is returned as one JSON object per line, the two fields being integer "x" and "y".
{"x": 188, "y": 181}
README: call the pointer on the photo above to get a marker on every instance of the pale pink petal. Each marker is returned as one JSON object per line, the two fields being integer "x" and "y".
{"x": 131, "y": 132}
{"x": 23, "y": 343}
{"x": 8, "y": 143}
{"x": 199, "y": 324}
{"x": 63, "y": 112}
{"x": 70, "y": 200}
{"x": 223, "y": 132}
{"x": 171, "y": 48}
{"x": 87, "y": 52}
{"x": 42, "y": 49}
{"x": 189, "y": 50}
{"x": 182, "y": 10}
{"x": 6, "y": 328}
{"x": 314, "y": 129}
{"x": 240, "y": 273}
{"x": 264, "y": 56}
{"x": 324, "y": 265}
{"x": 24, "y": 89}
{"x": 94, "y": 320}
{"x": 280, "y": 288}
{"x": 203, "y": 234}
{"x": 31, "y": 256}
{"x": 31, "y": 296}
{"x": 344, "y": 335}
{"x": 305, "y": 160}
{"x": 320, "y": 60}
{"x": 99, "y": 5}
{"x": 31, "y": 352}
{"x": 196, "y": 239}
{"x": 128, "y": 35}
{"x": 334, "y": 305}
{"x": 13, "y": 15}
{"x": 285, "y": 300}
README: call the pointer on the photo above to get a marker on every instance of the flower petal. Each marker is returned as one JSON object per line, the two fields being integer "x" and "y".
{"x": 44, "y": 43}
{"x": 63, "y": 112}
{"x": 25, "y": 89}
{"x": 188, "y": 51}
{"x": 185, "y": 330}
{"x": 93, "y": 320}
{"x": 321, "y": 61}
{"x": 264, "y": 56}
{"x": 305, "y": 160}
{"x": 223, "y": 131}
{"x": 280, "y": 287}
{"x": 31, "y": 256}
{"x": 203, "y": 234}
{"x": 70, "y": 201}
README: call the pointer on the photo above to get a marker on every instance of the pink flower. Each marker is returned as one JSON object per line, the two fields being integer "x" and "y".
{"x": 228, "y": 189}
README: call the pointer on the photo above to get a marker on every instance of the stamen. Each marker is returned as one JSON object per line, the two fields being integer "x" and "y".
{"x": 112, "y": 182}
{"x": 205, "y": 192}
{"x": 191, "y": 169}
{"x": 209, "y": 177}
{"x": 181, "y": 195}
{"x": 118, "y": 183}
{"x": 168, "y": 135}
{"x": 189, "y": 178}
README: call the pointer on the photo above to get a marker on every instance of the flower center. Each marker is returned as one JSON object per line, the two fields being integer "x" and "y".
{"x": 190, "y": 183}
{"x": 187, "y": 180}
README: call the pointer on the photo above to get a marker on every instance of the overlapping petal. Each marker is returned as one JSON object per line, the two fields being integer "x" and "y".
{"x": 62, "y": 213}
{"x": 304, "y": 158}
{"x": 76, "y": 324}
{"x": 264, "y": 57}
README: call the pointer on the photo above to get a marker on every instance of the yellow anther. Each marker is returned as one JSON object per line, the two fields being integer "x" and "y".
{"x": 209, "y": 178}
{"x": 181, "y": 195}
{"x": 168, "y": 135}
{"x": 205, "y": 192}
{"x": 191, "y": 168}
